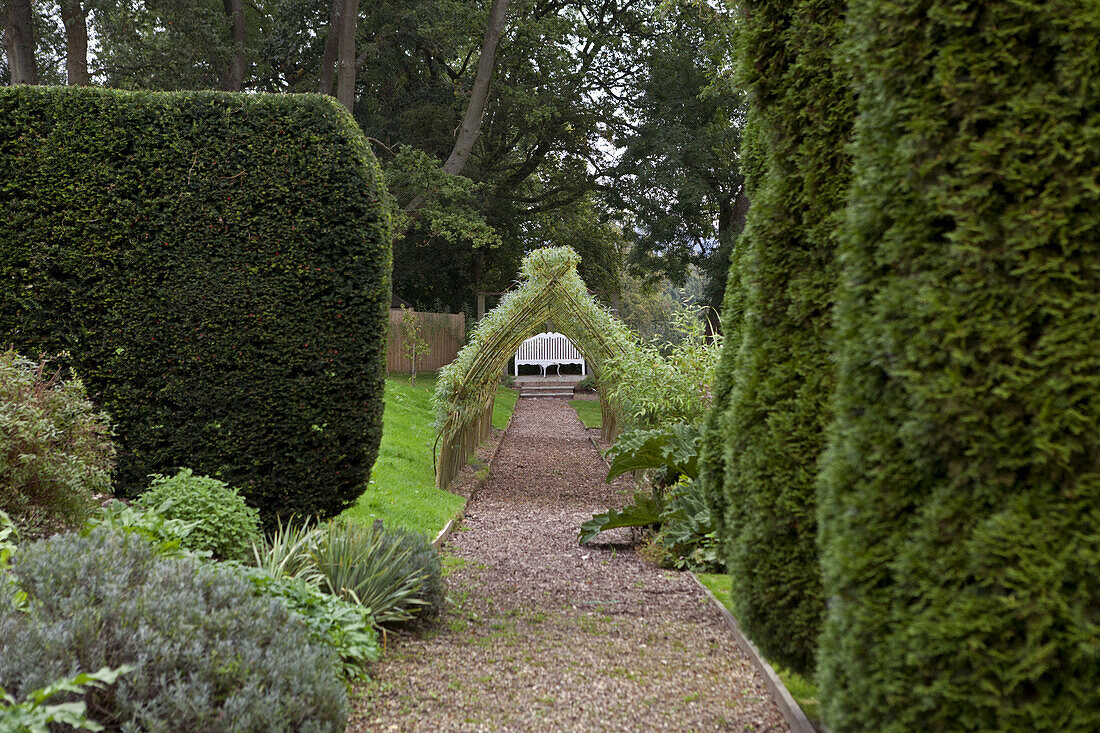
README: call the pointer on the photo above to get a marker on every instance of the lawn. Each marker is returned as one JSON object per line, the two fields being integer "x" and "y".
{"x": 589, "y": 412}
{"x": 402, "y": 489}
{"x": 804, "y": 691}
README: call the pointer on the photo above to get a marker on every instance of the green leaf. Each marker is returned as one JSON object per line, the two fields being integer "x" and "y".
{"x": 642, "y": 513}
{"x": 675, "y": 447}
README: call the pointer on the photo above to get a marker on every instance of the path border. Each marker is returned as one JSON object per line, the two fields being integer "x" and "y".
{"x": 788, "y": 706}
{"x": 452, "y": 523}
{"x": 786, "y": 703}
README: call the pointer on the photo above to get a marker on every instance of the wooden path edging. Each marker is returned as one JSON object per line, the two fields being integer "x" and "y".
{"x": 786, "y": 703}
{"x": 449, "y": 527}
{"x": 788, "y": 708}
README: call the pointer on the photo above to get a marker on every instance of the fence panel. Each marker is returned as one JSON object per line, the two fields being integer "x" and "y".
{"x": 444, "y": 332}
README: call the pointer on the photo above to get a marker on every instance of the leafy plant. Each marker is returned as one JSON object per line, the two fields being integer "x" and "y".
{"x": 688, "y": 539}
{"x": 344, "y": 627}
{"x": 655, "y": 383}
{"x": 208, "y": 653}
{"x": 674, "y": 448}
{"x": 382, "y": 570}
{"x": 55, "y": 448}
{"x": 644, "y": 512}
{"x": 224, "y": 524}
{"x": 33, "y": 715}
{"x": 10, "y": 592}
{"x": 166, "y": 535}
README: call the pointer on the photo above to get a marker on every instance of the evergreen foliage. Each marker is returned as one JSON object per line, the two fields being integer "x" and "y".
{"x": 782, "y": 383}
{"x": 960, "y": 501}
{"x": 218, "y": 268}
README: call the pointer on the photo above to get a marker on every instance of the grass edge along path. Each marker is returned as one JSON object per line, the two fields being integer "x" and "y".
{"x": 588, "y": 411}
{"x": 803, "y": 690}
{"x": 402, "y": 490}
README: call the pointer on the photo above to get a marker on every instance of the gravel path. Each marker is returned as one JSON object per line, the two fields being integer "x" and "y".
{"x": 542, "y": 634}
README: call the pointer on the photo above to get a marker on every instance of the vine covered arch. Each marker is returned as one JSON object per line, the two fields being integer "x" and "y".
{"x": 550, "y": 290}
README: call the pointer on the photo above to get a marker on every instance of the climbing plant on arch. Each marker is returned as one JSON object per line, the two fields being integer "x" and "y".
{"x": 550, "y": 289}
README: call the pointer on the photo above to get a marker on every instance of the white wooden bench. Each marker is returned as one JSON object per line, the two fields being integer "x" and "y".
{"x": 546, "y": 349}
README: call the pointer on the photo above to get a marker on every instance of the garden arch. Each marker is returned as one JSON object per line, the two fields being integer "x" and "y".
{"x": 550, "y": 289}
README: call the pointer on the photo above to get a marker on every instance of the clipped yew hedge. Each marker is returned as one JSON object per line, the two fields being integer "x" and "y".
{"x": 960, "y": 507}
{"x": 216, "y": 267}
{"x": 780, "y": 393}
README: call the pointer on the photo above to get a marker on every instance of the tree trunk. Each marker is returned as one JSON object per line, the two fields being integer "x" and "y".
{"x": 233, "y": 78}
{"x": 328, "y": 60}
{"x": 76, "y": 42}
{"x": 479, "y": 97}
{"x": 19, "y": 43}
{"x": 345, "y": 53}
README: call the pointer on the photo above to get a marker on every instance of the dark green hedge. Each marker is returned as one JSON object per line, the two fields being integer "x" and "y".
{"x": 783, "y": 381}
{"x": 218, "y": 267}
{"x": 960, "y": 506}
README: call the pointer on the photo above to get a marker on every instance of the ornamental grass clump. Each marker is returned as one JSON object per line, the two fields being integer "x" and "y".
{"x": 55, "y": 447}
{"x": 224, "y": 524}
{"x": 396, "y": 574}
{"x": 207, "y": 652}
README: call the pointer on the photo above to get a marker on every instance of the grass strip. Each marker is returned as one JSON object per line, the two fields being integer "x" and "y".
{"x": 589, "y": 412}
{"x": 402, "y": 490}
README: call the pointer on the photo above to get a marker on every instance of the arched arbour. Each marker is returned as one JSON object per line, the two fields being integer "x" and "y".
{"x": 551, "y": 289}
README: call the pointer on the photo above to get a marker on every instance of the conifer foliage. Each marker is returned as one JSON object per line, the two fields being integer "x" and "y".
{"x": 959, "y": 506}
{"x": 782, "y": 379}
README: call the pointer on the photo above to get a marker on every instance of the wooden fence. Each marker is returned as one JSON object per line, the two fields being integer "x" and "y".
{"x": 444, "y": 332}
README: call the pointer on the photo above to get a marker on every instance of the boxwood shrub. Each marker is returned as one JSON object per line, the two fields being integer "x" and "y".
{"x": 960, "y": 506}
{"x": 207, "y": 652}
{"x": 216, "y": 268}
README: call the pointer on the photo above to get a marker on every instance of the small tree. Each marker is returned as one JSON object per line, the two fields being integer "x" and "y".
{"x": 413, "y": 344}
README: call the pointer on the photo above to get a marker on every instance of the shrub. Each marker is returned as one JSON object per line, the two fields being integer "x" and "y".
{"x": 959, "y": 502}
{"x": 208, "y": 654}
{"x": 782, "y": 382}
{"x": 217, "y": 265}
{"x": 688, "y": 539}
{"x": 36, "y": 713}
{"x": 55, "y": 449}
{"x": 346, "y": 628}
{"x": 396, "y": 574}
{"x": 166, "y": 535}
{"x": 224, "y": 524}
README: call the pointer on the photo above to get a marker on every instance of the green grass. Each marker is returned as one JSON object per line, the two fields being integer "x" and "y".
{"x": 589, "y": 412}
{"x": 402, "y": 489}
{"x": 804, "y": 691}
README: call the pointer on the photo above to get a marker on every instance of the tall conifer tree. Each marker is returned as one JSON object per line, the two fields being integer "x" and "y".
{"x": 960, "y": 503}
{"x": 781, "y": 380}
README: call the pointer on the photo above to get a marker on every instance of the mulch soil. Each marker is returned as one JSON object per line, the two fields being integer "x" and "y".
{"x": 543, "y": 634}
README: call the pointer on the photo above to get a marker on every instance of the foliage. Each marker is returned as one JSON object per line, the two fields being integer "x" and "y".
{"x": 656, "y": 384}
{"x": 674, "y": 448}
{"x": 11, "y": 595}
{"x": 688, "y": 538}
{"x": 413, "y": 344}
{"x": 644, "y": 512}
{"x": 551, "y": 290}
{"x": 166, "y": 535}
{"x": 224, "y": 524}
{"x": 396, "y": 574}
{"x": 218, "y": 268}
{"x": 199, "y": 638}
{"x": 783, "y": 379}
{"x": 55, "y": 448}
{"x": 33, "y": 715}
{"x": 285, "y": 553}
{"x": 960, "y": 492}
{"x": 344, "y": 627}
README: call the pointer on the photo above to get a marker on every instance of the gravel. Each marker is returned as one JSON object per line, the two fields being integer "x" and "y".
{"x": 544, "y": 634}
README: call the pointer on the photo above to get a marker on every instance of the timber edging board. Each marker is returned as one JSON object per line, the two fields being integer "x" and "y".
{"x": 788, "y": 708}
{"x": 449, "y": 527}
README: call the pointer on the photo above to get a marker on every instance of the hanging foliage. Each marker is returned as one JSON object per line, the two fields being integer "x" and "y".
{"x": 550, "y": 290}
